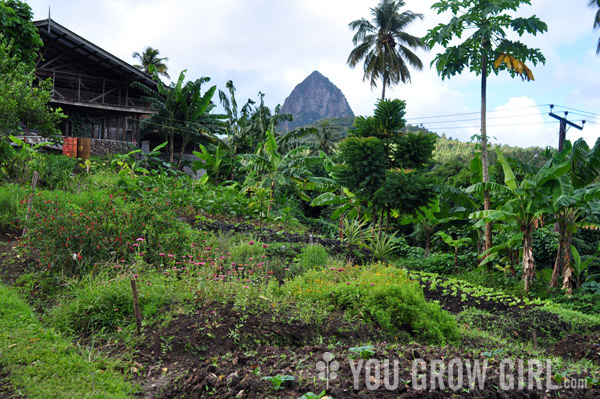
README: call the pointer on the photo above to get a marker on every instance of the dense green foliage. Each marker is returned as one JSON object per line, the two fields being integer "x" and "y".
{"x": 383, "y": 294}
{"x": 22, "y": 102}
{"x": 386, "y": 216}
{"x": 17, "y": 28}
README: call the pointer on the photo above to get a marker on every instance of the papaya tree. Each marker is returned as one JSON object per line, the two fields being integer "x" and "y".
{"x": 455, "y": 243}
{"x": 488, "y": 24}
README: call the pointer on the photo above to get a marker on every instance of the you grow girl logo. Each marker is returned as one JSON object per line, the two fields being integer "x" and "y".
{"x": 327, "y": 368}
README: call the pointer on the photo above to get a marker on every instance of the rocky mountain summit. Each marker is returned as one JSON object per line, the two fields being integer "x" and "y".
{"x": 313, "y": 99}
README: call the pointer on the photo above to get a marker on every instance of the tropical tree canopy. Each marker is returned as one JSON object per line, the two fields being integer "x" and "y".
{"x": 383, "y": 45}
{"x": 22, "y": 104}
{"x": 17, "y": 28}
{"x": 149, "y": 58}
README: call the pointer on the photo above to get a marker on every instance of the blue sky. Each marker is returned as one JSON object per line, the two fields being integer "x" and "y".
{"x": 272, "y": 45}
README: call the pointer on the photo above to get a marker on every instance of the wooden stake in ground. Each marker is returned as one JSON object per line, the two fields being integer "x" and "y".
{"x": 136, "y": 307}
{"x": 30, "y": 201}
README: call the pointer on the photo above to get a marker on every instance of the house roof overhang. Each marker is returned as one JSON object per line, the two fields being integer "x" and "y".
{"x": 65, "y": 51}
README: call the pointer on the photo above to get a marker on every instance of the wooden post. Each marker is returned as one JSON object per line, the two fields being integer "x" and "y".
{"x": 30, "y": 201}
{"x": 136, "y": 307}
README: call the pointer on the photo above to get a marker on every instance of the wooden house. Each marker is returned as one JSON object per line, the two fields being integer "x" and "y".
{"x": 92, "y": 86}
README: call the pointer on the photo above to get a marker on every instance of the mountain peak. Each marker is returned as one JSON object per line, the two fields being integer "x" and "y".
{"x": 313, "y": 99}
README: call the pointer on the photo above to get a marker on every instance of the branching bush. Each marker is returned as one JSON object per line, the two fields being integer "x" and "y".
{"x": 73, "y": 237}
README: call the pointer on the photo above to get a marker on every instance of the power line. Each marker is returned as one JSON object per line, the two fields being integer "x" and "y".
{"x": 578, "y": 110}
{"x": 478, "y": 112}
{"x": 587, "y": 116}
{"x": 477, "y": 119}
{"x": 508, "y": 124}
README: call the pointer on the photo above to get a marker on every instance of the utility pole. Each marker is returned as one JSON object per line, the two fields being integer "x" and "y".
{"x": 562, "y": 133}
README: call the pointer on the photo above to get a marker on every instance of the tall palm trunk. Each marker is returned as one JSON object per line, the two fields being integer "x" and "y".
{"x": 484, "y": 151}
{"x": 385, "y": 77}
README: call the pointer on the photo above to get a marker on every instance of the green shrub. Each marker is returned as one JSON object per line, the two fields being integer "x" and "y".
{"x": 404, "y": 250}
{"x": 588, "y": 303}
{"x": 545, "y": 245}
{"x": 72, "y": 237}
{"x": 380, "y": 294}
{"x": 435, "y": 263}
{"x": 313, "y": 256}
{"x": 286, "y": 250}
{"x": 7, "y": 154}
{"x": 56, "y": 171}
{"x": 245, "y": 250}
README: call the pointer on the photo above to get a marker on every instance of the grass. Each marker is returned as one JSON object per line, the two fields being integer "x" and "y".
{"x": 100, "y": 304}
{"x": 43, "y": 364}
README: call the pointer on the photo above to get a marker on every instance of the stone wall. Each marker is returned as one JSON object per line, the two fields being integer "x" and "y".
{"x": 105, "y": 147}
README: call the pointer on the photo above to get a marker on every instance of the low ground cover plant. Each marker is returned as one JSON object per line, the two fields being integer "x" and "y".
{"x": 380, "y": 294}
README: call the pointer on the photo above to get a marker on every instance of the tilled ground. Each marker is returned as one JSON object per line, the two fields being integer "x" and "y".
{"x": 217, "y": 352}
{"x": 353, "y": 253}
{"x": 577, "y": 347}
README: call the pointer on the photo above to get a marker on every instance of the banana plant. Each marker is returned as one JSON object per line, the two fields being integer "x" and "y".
{"x": 130, "y": 165}
{"x": 580, "y": 267}
{"x": 523, "y": 206}
{"x": 272, "y": 168}
{"x": 575, "y": 200}
{"x": 456, "y": 244}
{"x": 212, "y": 162}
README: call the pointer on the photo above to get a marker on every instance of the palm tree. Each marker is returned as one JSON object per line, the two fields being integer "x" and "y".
{"x": 596, "y": 3}
{"x": 149, "y": 57}
{"x": 384, "y": 46}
